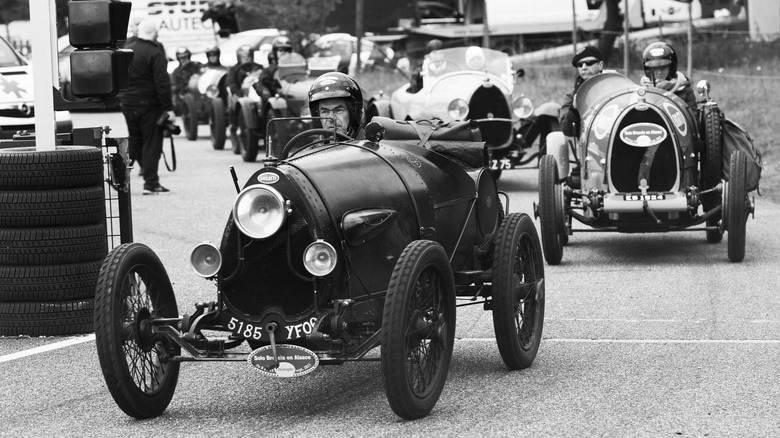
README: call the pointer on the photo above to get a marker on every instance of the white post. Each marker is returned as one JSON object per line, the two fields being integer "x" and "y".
{"x": 44, "y": 72}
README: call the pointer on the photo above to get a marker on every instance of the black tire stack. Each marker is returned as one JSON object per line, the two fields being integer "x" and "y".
{"x": 52, "y": 239}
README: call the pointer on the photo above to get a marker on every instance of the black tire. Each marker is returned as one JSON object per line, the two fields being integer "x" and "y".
{"x": 247, "y": 139}
{"x": 518, "y": 291}
{"x": 53, "y": 246}
{"x": 736, "y": 203}
{"x": 189, "y": 117}
{"x": 217, "y": 124}
{"x": 133, "y": 286}
{"x": 49, "y": 283}
{"x": 551, "y": 211}
{"x": 65, "y": 167}
{"x": 712, "y": 165}
{"x": 52, "y": 208}
{"x": 418, "y": 329}
{"x": 46, "y": 318}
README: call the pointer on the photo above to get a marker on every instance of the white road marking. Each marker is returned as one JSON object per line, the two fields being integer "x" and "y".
{"x": 45, "y": 348}
{"x": 641, "y": 341}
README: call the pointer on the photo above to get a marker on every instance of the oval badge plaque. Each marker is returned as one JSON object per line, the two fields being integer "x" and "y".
{"x": 268, "y": 178}
{"x": 294, "y": 361}
{"x": 643, "y": 134}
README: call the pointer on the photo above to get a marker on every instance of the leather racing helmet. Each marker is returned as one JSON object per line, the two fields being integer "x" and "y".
{"x": 338, "y": 85}
{"x": 659, "y": 54}
{"x": 245, "y": 50}
{"x": 183, "y": 52}
{"x": 213, "y": 50}
{"x": 434, "y": 44}
{"x": 281, "y": 44}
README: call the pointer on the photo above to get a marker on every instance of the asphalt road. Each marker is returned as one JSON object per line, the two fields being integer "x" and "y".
{"x": 645, "y": 335}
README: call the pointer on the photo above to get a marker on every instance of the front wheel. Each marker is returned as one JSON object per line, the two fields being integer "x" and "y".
{"x": 736, "y": 204}
{"x": 518, "y": 291}
{"x": 132, "y": 290}
{"x": 217, "y": 124}
{"x": 247, "y": 139}
{"x": 190, "y": 117}
{"x": 551, "y": 210}
{"x": 418, "y": 329}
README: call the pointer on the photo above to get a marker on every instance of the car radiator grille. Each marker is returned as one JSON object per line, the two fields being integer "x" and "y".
{"x": 657, "y": 164}
{"x": 266, "y": 279}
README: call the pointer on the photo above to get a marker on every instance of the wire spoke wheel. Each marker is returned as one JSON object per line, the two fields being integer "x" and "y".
{"x": 418, "y": 329}
{"x": 133, "y": 289}
{"x": 518, "y": 291}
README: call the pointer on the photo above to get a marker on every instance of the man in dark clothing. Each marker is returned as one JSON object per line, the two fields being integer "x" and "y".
{"x": 181, "y": 75}
{"x": 147, "y": 99}
{"x": 244, "y": 65}
{"x": 588, "y": 62}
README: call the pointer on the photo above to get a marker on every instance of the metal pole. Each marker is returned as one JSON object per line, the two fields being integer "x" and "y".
{"x": 625, "y": 37}
{"x": 690, "y": 41}
{"x": 573, "y": 27}
{"x": 43, "y": 73}
{"x": 486, "y": 29}
{"x": 359, "y": 31}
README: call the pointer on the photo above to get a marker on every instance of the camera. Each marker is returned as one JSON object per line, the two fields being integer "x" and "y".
{"x": 168, "y": 125}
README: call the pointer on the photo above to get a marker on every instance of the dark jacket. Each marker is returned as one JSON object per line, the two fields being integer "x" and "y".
{"x": 568, "y": 116}
{"x": 150, "y": 84}
{"x": 181, "y": 75}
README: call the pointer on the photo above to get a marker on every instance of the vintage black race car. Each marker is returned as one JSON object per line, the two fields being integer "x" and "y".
{"x": 644, "y": 162}
{"x": 335, "y": 248}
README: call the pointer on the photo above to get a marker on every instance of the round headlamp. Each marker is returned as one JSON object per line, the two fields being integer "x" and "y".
{"x": 212, "y": 91}
{"x": 259, "y": 211}
{"x": 522, "y": 107}
{"x": 206, "y": 260}
{"x": 319, "y": 258}
{"x": 458, "y": 109}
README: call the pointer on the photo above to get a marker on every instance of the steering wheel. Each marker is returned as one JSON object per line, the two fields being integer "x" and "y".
{"x": 311, "y": 133}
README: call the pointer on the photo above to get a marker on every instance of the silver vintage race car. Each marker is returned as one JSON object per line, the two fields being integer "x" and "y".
{"x": 474, "y": 83}
{"x": 644, "y": 162}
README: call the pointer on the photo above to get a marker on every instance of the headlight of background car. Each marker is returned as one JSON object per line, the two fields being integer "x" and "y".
{"x": 212, "y": 91}
{"x": 458, "y": 109}
{"x": 259, "y": 211}
{"x": 522, "y": 107}
{"x": 319, "y": 258}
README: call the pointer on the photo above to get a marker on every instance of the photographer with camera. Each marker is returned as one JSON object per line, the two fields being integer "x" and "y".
{"x": 147, "y": 105}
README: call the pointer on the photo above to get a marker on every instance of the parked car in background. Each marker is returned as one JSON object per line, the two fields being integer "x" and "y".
{"x": 342, "y": 48}
{"x": 17, "y": 103}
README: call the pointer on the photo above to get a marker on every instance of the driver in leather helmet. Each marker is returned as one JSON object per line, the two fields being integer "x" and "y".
{"x": 244, "y": 56}
{"x": 281, "y": 45}
{"x": 337, "y": 98}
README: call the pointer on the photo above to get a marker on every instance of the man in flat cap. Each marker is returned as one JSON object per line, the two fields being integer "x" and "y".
{"x": 588, "y": 62}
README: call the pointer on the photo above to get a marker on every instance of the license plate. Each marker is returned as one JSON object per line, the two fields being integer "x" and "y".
{"x": 653, "y": 197}
{"x": 502, "y": 164}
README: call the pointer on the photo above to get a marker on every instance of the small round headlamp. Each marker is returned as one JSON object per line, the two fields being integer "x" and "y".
{"x": 319, "y": 258}
{"x": 206, "y": 259}
{"x": 259, "y": 211}
{"x": 522, "y": 107}
{"x": 458, "y": 109}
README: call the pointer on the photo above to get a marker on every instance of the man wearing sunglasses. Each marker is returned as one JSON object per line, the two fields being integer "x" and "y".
{"x": 588, "y": 62}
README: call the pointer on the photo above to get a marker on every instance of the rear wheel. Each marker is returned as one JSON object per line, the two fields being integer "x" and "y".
{"x": 712, "y": 165}
{"x": 133, "y": 289}
{"x": 551, "y": 210}
{"x": 418, "y": 329}
{"x": 736, "y": 206}
{"x": 217, "y": 124}
{"x": 518, "y": 291}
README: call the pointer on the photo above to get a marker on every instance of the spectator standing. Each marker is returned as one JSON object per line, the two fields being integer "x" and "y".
{"x": 147, "y": 102}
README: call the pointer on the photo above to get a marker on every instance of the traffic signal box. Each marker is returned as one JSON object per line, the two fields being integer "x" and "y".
{"x": 99, "y": 68}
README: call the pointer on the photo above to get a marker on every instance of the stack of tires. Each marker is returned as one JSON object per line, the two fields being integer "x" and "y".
{"x": 52, "y": 239}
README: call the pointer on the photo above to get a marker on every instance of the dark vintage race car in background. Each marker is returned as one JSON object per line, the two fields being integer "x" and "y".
{"x": 335, "y": 247}
{"x": 474, "y": 83}
{"x": 645, "y": 162}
